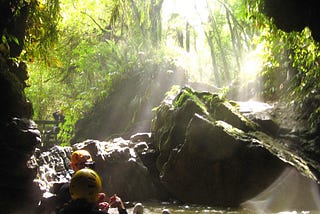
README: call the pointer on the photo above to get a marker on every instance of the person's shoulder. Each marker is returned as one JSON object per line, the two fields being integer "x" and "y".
{"x": 64, "y": 189}
{"x": 65, "y": 186}
{"x": 63, "y": 195}
{"x": 80, "y": 206}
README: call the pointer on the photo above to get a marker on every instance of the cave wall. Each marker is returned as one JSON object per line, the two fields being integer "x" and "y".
{"x": 295, "y": 15}
{"x": 18, "y": 134}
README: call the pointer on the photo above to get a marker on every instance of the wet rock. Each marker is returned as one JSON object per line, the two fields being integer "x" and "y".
{"x": 261, "y": 114}
{"x": 117, "y": 162}
{"x": 53, "y": 167}
{"x": 141, "y": 137}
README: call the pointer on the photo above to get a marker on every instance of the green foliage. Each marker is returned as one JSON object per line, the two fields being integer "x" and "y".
{"x": 291, "y": 70}
{"x": 41, "y": 33}
{"x": 305, "y": 84}
{"x": 276, "y": 63}
{"x": 188, "y": 94}
{"x": 89, "y": 57}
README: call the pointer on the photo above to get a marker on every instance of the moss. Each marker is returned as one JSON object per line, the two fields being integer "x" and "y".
{"x": 233, "y": 131}
{"x": 202, "y": 99}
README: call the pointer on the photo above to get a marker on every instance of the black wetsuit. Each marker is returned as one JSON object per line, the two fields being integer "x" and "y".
{"x": 79, "y": 207}
{"x": 63, "y": 195}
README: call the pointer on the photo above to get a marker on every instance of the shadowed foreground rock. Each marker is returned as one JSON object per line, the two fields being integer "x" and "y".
{"x": 18, "y": 141}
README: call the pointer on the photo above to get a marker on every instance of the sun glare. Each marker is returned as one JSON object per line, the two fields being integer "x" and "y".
{"x": 193, "y": 11}
{"x": 252, "y": 63}
{"x": 198, "y": 60}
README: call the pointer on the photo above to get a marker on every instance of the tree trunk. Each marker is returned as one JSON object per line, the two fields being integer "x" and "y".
{"x": 217, "y": 37}
{"x": 215, "y": 75}
{"x": 188, "y": 37}
{"x": 233, "y": 41}
{"x": 155, "y": 19}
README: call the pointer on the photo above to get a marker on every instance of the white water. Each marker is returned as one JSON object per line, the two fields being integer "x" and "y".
{"x": 253, "y": 106}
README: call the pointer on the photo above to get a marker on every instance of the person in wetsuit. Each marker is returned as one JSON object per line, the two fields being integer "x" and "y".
{"x": 79, "y": 160}
{"x": 86, "y": 197}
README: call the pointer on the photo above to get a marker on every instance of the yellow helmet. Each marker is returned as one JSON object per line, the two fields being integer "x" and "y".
{"x": 85, "y": 184}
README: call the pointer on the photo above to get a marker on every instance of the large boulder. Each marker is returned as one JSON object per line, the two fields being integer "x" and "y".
{"x": 172, "y": 118}
{"x": 217, "y": 166}
{"x": 212, "y": 154}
